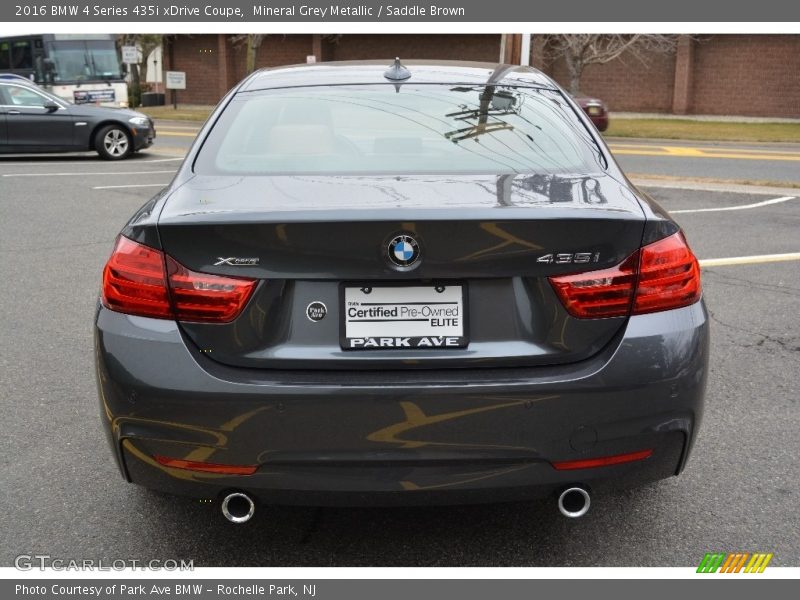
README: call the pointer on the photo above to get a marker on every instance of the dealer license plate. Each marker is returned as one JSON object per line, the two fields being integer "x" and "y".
{"x": 403, "y": 317}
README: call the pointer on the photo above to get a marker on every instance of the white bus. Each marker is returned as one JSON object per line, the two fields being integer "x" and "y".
{"x": 80, "y": 68}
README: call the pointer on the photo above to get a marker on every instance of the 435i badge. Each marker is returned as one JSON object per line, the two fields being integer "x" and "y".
{"x": 566, "y": 258}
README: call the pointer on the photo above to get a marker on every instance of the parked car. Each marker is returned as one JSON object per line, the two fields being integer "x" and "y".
{"x": 596, "y": 109}
{"x": 16, "y": 78}
{"x": 34, "y": 121}
{"x": 426, "y": 284}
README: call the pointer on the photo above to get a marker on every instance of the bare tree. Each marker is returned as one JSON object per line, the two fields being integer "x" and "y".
{"x": 253, "y": 43}
{"x": 146, "y": 43}
{"x": 581, "y": 50}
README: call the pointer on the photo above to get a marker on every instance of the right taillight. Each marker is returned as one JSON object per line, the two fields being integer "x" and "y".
{"x": 669, "y": 276}
{"x": 143, "y": 281}
{"x": 596, "y": 294}
{"x": 660, "y": 276}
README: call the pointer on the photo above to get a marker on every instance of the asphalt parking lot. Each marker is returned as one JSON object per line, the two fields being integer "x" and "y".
{"x": 61, "y": 494}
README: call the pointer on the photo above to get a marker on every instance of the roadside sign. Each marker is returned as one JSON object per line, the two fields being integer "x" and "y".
{"x": 176, "y": 80}
{"x": 130, "y": 55}
{"x": 94, "y": 96}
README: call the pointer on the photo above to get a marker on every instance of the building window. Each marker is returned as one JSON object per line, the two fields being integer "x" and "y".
{"x": 5, "y": 62}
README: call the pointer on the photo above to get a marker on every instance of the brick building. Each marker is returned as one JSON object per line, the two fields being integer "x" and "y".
{"x": 752, "y": 75}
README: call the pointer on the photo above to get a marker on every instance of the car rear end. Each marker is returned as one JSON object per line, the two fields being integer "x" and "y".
{"x": 596, "y": 109}
{"x": 324, "y": 310}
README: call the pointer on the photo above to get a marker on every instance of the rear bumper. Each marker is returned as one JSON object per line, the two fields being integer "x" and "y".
{"x": 400, "y": 437}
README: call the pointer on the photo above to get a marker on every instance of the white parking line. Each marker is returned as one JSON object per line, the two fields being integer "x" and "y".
{"x": 740, "y": 207}
{"x": 749, "y": 260}
{"x": 67, "y": 174}
{"x": 81, "y": 162}
{"x": 173, "y": 158}
{"x": 134, "y": 185}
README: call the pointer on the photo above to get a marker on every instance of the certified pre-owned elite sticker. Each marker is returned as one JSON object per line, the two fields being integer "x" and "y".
{"x": 415, "y": 316}
{"x": 316, "y": 311}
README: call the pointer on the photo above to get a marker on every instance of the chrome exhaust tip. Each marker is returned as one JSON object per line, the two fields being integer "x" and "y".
{"x": 574, "y": 502}
{"x": 238, "y": 507}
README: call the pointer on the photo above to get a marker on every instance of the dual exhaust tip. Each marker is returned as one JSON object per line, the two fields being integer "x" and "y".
{"x": 574, "y": 502}
{"x": 239, "y": 507}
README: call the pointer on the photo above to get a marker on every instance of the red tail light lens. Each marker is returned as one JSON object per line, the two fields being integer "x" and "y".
{"x": 134, "y": 281}
{"x": 605, "y": 293}
{"x": 139, "y": 280}
{"x": 661, "y": 276}
{"x": 669, "y": 276}
{"x": 203, "y": 297}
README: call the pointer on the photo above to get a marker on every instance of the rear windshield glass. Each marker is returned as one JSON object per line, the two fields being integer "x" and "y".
{"x": 415, "y": 129}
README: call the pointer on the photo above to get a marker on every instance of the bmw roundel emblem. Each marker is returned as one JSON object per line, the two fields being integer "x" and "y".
{"x": 403, "y": 250}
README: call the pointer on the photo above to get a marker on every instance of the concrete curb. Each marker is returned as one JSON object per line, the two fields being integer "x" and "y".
{"x": 706, "y": 118}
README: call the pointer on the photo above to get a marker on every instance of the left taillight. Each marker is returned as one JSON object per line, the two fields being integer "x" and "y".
{"x": 204, "y": 297}
{"x": 143, "y": 281}
{"x": 135, "y": 282}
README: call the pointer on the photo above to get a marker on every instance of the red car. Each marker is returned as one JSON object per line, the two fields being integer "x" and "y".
{"x": 596, "y": 109}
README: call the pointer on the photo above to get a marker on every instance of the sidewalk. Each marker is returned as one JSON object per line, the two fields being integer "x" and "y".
{"x": 185, "y": 112}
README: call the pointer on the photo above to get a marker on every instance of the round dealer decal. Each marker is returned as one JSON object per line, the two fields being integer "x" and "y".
{"x": 316, "y": 311}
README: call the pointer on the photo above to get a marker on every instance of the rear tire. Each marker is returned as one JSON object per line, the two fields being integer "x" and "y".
{"x": 113, "y": 142}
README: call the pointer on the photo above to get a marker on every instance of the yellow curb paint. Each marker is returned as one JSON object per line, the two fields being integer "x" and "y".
{"x": 172, "y": 133}
{"x": 682, "y": 151}
{"x": 686, "y": 151}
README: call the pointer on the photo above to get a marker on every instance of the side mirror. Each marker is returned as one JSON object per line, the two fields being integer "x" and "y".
{"x": 51, "y": 106}
{"x": 123, "y": 67}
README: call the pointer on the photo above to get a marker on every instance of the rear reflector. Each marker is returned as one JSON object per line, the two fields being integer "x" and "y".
{"x": 604, "y": 461}
{"x": 143, "y": 281}
{"x": 204, "y": 467}
{"x": 661, "y": 276}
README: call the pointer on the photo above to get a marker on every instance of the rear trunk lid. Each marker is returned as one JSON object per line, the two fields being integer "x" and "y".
{"x": 319, "y": 244}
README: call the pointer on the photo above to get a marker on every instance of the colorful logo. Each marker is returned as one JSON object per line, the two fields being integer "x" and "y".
{"x": 734, "y": 563}
{"x": 403, "y": 250}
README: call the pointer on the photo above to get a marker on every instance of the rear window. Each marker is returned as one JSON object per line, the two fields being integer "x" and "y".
{"x": 415, "y": 129}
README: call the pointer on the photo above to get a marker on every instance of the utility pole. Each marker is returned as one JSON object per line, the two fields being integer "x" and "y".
{"x": 511, "y": 48}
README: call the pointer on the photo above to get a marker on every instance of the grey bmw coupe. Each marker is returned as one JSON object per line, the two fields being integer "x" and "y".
{"x": 427, "y": 283}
